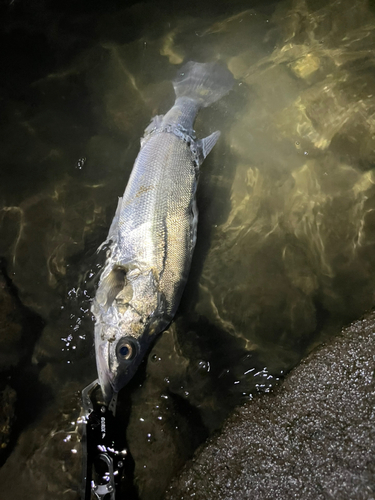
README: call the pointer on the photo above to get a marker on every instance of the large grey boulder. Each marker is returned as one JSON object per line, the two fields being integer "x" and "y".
{"x": 312, "y": 438}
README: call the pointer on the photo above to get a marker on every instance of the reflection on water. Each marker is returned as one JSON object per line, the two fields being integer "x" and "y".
{"x": 285, "y": 251}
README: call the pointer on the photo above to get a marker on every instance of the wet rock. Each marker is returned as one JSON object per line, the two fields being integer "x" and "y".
{"x": 185, "y": 394}
{"x": 8, "y": 399}
{"x": 312, "y": 438}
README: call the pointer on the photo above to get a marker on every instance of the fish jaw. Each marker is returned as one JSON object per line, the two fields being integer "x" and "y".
{"x": 102, "y": 365}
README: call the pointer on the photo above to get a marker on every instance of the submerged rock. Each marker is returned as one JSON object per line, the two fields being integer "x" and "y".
{"x": 164, "y": 427}
{"x": 46, "y": 460}
{"x": 8, "y": 399}
{"x": 312, "y": 438}
{"x": 10, "y": 327}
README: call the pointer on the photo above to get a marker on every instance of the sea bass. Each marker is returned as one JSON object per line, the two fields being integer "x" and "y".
{"x": 152, "y": 236}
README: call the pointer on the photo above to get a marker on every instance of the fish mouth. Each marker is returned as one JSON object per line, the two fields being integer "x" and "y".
{"x": 104, "y": 372}
{"x": 111, "y": 383}
{"x": 107, "y": 390}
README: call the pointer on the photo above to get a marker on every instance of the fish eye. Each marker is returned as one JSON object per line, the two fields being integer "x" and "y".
{"x": 126, "y": 349}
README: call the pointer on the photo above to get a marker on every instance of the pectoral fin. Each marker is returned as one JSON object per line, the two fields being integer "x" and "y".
{"x": 208, "y": 143}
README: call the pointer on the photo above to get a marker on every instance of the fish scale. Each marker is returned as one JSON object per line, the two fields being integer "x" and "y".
{"x": 152, "y": 236}
{"x": 156, "y": 209}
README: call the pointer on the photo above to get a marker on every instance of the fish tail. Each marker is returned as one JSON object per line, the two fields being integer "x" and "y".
{"x": 203, "y": 82}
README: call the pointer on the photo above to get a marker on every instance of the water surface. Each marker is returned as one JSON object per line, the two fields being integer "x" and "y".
{"x": 285, "y": 249}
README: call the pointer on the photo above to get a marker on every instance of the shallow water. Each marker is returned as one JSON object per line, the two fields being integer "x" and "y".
{"x": 286, "y": 237}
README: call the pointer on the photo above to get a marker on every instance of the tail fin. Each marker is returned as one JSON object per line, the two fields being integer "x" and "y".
{"x": 203, "y": 82}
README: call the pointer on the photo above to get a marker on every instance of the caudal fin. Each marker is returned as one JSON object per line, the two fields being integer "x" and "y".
{"x": 203, "y": 82}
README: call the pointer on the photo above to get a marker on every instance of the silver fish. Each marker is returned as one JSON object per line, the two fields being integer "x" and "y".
{"x": 152, "y": 236}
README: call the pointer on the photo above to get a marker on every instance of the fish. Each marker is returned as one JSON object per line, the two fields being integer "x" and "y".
{"x": 152, "y": 237}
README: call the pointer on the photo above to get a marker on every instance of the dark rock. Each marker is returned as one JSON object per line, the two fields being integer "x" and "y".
{"x": 46, "y": 461}
{"x": 312, "y": 438}
{"x": 10, "y": 327}
{"x": 7, "y": 401}
{"x": 19, "y": 328}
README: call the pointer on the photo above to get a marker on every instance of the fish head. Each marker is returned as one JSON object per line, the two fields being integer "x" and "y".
{"x": 118, "y": 354}
{"x": 128, "y": 316}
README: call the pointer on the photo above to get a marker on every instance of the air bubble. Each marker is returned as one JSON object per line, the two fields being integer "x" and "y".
{"x": 80, "y": 163}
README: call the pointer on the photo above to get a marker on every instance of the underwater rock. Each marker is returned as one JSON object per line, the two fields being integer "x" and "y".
{"x": 312, "y": 438}
{"x": 164, "y": 428}
{"x": 8, "y": 399}
{"x": 10, "y": 327}
{"x": 51, "y": 228}
{"x": 284, "y": 258}
{"x": 47, "y": 458}
{"x": 305, "y": 66}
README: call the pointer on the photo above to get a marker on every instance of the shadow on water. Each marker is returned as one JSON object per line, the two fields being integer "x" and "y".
{"x": 213, "y": 196}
